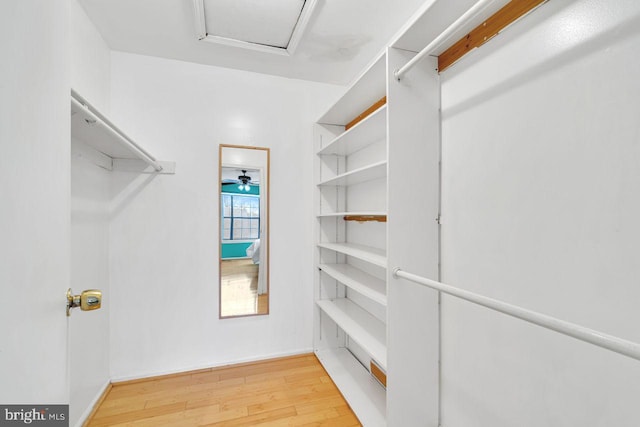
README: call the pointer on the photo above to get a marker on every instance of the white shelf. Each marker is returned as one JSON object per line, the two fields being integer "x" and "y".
{"x": 360, "y": 325}
{"x": 367, "y": 89}
{"x": 366, "y": 253}
{"x": 432, "y": 19}
{"x": 357, "y": 176}
{"x": 355, "y": 213}
{"x": 366, "y": 332}
{"x": 364, "y": 394}
{"x": 370, "y": 130}
{"x": 356, "y": 279}
{"x": 98, "y": 132}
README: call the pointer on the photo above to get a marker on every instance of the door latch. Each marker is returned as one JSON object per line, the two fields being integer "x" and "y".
{"x": 91, "y": 299}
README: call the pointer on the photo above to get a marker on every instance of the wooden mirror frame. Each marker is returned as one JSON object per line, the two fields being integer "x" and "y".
{"x": 266, "y": 227}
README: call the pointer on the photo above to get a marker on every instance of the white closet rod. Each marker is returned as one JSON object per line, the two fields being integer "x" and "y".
{"x": 435, "y": 43}
{"x": 80, "y": 103}
{"x": 618, "y": 345}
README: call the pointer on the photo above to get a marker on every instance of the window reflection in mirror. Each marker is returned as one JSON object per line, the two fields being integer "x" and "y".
{"x": 244, "y": 230}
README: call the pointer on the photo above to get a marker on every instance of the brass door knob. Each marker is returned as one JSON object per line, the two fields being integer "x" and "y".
{"x": 91, "y": 299}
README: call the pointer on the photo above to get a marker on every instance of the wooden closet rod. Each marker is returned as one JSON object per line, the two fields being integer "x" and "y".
{"x": 365, "y": 218}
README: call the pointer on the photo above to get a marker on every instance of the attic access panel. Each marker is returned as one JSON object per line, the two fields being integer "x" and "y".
{"x": 274, "y": 26}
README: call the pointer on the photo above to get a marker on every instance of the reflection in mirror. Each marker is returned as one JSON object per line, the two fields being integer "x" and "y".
{"x": 244, "y": 230}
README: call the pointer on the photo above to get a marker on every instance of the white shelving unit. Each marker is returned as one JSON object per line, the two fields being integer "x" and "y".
{"x": 351, "y": 289}
{"x": 362, "y": 327}
{"x": 113, "y": 148}
{"x": 369, "y": 254}
{"x": 362, "y": 313}
{"x": 367, "y": 89}
{"x": 372, "y": 128}
{"x": 357, "y": 176}
{"x": 357, "y": 299}
{"x": 354, "y": 213}
{"x": 366, "y": 397}
{"x": 358, "y": 280}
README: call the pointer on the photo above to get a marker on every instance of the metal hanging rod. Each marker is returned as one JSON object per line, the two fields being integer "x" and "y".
{"x": 618, "y": 345}
{"x": 448, "y": 32}
{"x": 81, "y": 104}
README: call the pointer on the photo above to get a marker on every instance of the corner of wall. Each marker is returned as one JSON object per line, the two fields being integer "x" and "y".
{"x": 90, "y": 59}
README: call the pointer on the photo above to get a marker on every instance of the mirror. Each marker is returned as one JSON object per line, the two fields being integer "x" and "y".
{"x": 244, "y": 230}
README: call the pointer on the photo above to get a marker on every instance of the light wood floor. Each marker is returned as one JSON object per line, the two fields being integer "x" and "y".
{"x": 239, "y": 289}
{"x": 291, "y": 391}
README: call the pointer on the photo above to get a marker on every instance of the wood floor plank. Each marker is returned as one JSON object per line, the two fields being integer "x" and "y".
{"x": 111, "y": 419}
{"x": 205, "y": 377}
{"x": 120, "y": 406}
{"x": 348, "y": 420}
{"x": 295, "y": 400}
{"x": 175, "y": 419}
{"x": 207, "y": 401}
{"x": 319, "y": 405}
{"x": 290, "y": 391}
{"x": 343, "y": 409}
{"x": 313, "y": 419}
{"x": 262, "y": 417}
{"x": 270, "y": 369}
{"x": 256, "y": 399}
{"x": 203, "y": 416}
{"x": 221, "y": 387}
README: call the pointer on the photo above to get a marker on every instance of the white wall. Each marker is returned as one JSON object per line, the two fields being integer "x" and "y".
{"x": 34, "y": 212}
{"x": 164, "y": 229}
{"x": 541, "y": 164}
{"x": 90, "y": 67}
{"x": 90, "y": 59}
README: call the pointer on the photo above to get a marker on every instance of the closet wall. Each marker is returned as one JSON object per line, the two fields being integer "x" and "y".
{"x": 90, "y": 59}
{"x": 164, "y": 229}
{"x": 541, "y": 177}
{"x": 90, "y": 66}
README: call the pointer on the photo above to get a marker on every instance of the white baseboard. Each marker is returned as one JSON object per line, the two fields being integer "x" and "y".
{"x": 117, "y": 378}
{"x": 93, "y": 403}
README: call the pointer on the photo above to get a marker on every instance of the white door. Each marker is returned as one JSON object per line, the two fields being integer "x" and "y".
{"x": 34, "y": 201}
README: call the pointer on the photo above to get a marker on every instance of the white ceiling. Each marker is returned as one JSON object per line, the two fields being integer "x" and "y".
{"x": 342, "y": 37}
